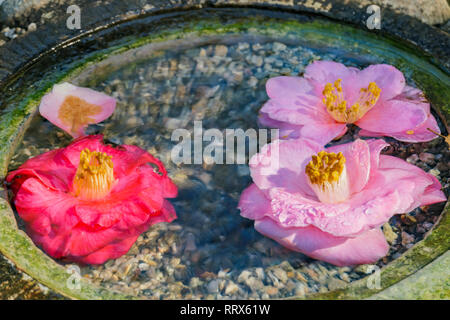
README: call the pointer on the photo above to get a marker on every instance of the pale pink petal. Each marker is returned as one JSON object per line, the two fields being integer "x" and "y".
{"x": 90, "y": 107}
{"x": 357, "y": 162}
{"x": 375, "y": 147}
{"x": 393, "y": 116}
{"x": 391, "y": 190}
{"x": 318, "y": 132}
{"x": 388, "y": 78}
{"x": 306, "y": 239}
{"x": 129, "y": 208}
{"x": 266, "y": 121}
{"x": 287, "y": 88}
{"x": 301, "y": 110}
{"x": 365, "y": 210}
{"x": 396, "y": 187}
{"x": 319, "y": 73}
{"x": 366, "y": 248}
{"x": 414, "y": 95}
{"x": 427, "y": 188}
{"x": 420, "y": 134}
{"x": 323, "y": 133}
{"x": 287, "y": 130}
{"x": 412, "y": 135}
{"x": 282, "y": 164}
{"x": 253, "y": 203}
{"x": 323, "y": 72}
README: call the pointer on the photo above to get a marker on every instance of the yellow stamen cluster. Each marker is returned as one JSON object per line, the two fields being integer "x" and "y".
{"x": 337, "y": 105}
{"x": 95, "y": 175}
{"x": 325, "y": 167}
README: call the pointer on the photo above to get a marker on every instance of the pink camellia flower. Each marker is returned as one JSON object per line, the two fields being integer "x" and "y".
{"x": 329, "y": 96}
{"x": 89, "y": 202}
{"x": 329, "y": 204}
{"x": 73, "y": 108}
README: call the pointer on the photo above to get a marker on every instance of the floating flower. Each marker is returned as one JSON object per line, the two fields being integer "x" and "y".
{"x": 89, "y": 202}
{"x": 329, "y": 204}
{"x": 73, "y": 108}
{"x": 329, "y": 96}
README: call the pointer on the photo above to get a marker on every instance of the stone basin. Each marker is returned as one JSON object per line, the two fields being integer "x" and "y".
{"x": 163, "y": 55}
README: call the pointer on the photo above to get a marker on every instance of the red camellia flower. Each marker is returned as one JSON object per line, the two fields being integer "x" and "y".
{"x": 89, "y": 202}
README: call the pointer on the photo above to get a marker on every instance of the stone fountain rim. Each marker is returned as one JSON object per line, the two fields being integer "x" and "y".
{"x": 20, "y": 55}
{"x": 436, "y": 240}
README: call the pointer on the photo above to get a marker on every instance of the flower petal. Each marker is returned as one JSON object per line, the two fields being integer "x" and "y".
{"x": 396, "y": 187}
{"x": 366, "y": 248}
{"x": 84, "y": 240}
{"x": 365, "y": 210}
{"x": 126, "y": 159}
{"x": 45, "y": 208}
{"x": 381, "y": 193}
{"x": 393, "y": 116}
{"x": 91, "y": 231}
{"x": 282, "y": 164}
{"x": 323, "y": 133}
{"x": 168, "y": 214}
{"x": 388, "y": 78}
{"x": 130, "y": 203}
{"x": 306, "y": 122}
{"x": 414, "y": 95}
{"x": 287, "y": 88}
{"x": 357, "y": 155}
{"x": 301, "y": 110}
{"x": 375, "y": 147}
{"x": 287, "y": 130}
{"x": 72, "y": 108}
{"x": 51, "y": 168}
{"x": 427, "y": 187}
{"x": 253, "y": 203}
{"x": 111, "y": 251}
{"x": 48, "y": 214}
{"x": 323, "y": 72}
{"x": 419, "y": 134}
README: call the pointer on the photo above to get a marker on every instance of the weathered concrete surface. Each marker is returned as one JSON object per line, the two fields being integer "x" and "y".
{"x": 428, "y": 11}
{"x": 14, "y": 284}
{"x": 431, "y": 282}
